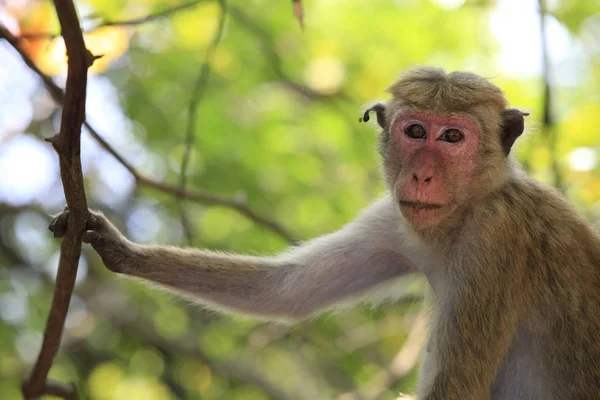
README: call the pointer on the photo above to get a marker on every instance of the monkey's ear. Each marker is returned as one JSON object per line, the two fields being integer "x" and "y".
{"x": 379, "y": 109}
{"x": 513, "y": 124}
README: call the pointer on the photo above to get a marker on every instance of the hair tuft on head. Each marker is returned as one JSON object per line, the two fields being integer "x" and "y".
{"x": 432, "y": 88}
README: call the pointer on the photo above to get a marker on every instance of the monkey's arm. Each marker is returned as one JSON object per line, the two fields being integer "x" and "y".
{"x": 292, "y": 285}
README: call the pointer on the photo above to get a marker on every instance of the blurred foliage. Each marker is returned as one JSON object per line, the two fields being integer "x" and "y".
{"x": 277, "y": 125}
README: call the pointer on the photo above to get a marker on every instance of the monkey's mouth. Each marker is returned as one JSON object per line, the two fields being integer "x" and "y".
{"x": 417, "y": 206}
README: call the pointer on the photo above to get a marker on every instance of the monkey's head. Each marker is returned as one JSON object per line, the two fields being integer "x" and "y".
{"x": 445, "y": 142}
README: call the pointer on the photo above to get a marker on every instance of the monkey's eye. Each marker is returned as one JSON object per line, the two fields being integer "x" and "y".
{"x": 415, "y": 131}
{"x": 452, "y": 136}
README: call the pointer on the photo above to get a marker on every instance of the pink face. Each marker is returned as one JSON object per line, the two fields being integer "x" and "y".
{"x": 439, "y": 156}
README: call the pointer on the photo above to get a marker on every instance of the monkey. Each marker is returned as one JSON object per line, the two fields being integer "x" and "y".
{"x": 513, "y": 269}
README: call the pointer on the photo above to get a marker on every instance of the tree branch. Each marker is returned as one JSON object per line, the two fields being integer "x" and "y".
{"x": 67, "y": 145}
{"x": 298, "y": 11}
{"x": 199, "y": 196}
{"x": 548, "y": 124}
{"x": 130, "y": 22}
{"x": 56, "y": 92}
{"x": 255, "y": 29}
{"x": 274, "y": 59}
{"x": 197, "y": 93}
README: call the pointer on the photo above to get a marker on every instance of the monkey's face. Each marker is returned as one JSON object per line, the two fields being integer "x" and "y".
{"x": 430, "y": 160}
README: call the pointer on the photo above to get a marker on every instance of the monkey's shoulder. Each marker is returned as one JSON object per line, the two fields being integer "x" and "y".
{"x": 535, "y": 220}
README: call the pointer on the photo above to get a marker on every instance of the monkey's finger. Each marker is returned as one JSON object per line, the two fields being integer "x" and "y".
{"x": 58, "y": 226}
{"x": 98, "y": 222}
{"x": 90, "y": 237}
{"x": 92, "y": 222}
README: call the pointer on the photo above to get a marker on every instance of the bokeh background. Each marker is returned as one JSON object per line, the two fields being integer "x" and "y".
{"x": 247, "y": 105}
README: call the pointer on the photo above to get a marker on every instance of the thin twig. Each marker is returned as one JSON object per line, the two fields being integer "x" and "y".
{"x": 298, "y": 11}
{"x": 130, "y": 22}
{"x": 66, "y": 391}
{"x": 273, "y": 58}
{"x": 548, "y": 125}
{"x": 216, "y": 200}
{"x": 67, "y": 144}
{"x": 152, "y": 17}
{"x": 199, "y": 196}
{"x": 56, "y": 92}
{"x": 202, "y": 197}
{"x": 197, "y": 93}
{"x": 259, "y": 32}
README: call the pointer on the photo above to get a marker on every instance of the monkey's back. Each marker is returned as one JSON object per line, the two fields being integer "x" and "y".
{"x": 559, "y": 252}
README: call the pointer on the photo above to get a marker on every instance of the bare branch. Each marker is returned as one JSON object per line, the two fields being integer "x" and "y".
{"x": 152, "y": 17}
{"x": 216, "y": 200}
{"x": 64, "y": 391}
{"x": 273, "y": 58}
{"x": 298, "y": 12}
{"x": 255, "y": 29}
{"x": 197, "y": 93}
{"x": 548, "y": 125}
{"x": 56, "y": 92}
{"x": 67, "y": 145}
{"x": 130, "y": 22}
{"x": 199, "y": 196}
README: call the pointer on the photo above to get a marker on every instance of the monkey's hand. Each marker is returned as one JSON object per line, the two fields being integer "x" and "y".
{"x": 116, "y": 251}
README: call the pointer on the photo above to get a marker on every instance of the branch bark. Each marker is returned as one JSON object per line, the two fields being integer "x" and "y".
{"x": 67, "y": 145}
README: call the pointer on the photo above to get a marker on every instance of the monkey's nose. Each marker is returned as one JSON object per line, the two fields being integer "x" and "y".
{"x": 425, "y": 179}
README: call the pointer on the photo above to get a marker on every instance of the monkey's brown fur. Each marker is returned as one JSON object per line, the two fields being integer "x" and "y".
{"x": 514, "y": 271}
